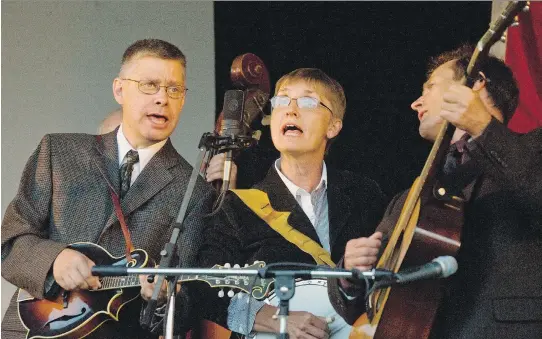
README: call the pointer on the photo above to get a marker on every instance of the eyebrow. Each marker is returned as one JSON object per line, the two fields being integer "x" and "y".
{"x": 307, "y": 91}
{"x": 168, "y": 83}
{"x": 425, "y": 84}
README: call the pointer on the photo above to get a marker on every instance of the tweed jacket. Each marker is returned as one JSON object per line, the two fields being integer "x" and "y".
{"x": 497, "y": 290}
{"x": 237, "y": 235}
{"x": 64, "y": 198}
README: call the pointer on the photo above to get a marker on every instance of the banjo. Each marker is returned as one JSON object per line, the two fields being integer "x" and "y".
{"x": 311, "y": 296}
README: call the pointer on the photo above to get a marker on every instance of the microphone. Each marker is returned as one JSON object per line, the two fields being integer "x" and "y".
{"x": 231, "y": 126}
{"x": 232, "y": 119}
{"x": 440, "y": 267}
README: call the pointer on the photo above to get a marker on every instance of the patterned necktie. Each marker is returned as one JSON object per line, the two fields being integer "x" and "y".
{"x": 126, "y": 169}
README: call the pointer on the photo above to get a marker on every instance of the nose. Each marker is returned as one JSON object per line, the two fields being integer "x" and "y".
{"x": 417, "y": 104}
{"x": 293, "y": 111}
{"x": 161, "y": 97}
{"x": 292, "y": 108}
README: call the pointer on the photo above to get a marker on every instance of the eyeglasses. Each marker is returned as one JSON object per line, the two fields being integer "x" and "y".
{"x": 302, "y": 102}
{"x": 150, "y": 87}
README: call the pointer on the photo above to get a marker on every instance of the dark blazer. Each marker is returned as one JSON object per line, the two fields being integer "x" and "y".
{"x": 64, "y": 198}
{"x": 236, "y": 235}
{"x": 497, "y": 290}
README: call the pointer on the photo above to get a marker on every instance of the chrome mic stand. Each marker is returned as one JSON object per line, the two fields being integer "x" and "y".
{"x": 284, "y": 281}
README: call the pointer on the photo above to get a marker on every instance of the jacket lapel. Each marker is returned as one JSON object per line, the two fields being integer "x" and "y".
{"x": 339, "y": 205}
{"x": 461, "y": 180}
{"x": 154, "y": 177}
{"x": 106, "y": 159}
{"x": 282, "y": 200}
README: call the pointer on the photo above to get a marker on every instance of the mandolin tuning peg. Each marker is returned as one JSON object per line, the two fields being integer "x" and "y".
{"x": 236, "y": 266}
{"x": 227, "y": 265}
{"x": 221, "y": 294}
{"x": 527, "y": 7}
{"x": 231, "y": 293}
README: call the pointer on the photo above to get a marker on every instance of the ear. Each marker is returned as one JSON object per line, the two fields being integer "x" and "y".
{"x": 183, "y": 102}
{"x": 334, "y": 127}
{"x": 117, "y": 90}
{"x": 480, "y": 82}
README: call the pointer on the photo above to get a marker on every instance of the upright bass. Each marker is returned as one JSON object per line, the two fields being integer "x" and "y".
{"x": 249, "y": 74}
{"x": 429, "y": 225}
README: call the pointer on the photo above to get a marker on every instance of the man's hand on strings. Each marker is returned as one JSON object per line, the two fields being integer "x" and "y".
{"x": 147, "y": 289}
{"x": 71, "y": 270}
{"x": 465, "y": 109}
{"x": 361, "y": 254}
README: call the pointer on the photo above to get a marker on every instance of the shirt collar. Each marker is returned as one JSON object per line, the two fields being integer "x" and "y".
{"x": 293, "y": 188}
{"x": 145, "y": 154}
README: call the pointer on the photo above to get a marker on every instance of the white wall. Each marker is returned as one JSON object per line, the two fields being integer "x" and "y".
{"x": 59, "y": 60}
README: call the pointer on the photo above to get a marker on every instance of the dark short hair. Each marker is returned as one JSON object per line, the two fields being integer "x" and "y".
{"x": 332, "y": 90}
{"x": 153, "y": 47}
{"x": 501, "y": 84}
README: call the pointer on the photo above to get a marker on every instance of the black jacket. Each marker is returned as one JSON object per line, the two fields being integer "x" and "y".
{"x": 497, "y": 290}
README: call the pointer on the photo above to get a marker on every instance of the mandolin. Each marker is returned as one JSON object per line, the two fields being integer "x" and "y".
{"x": 75, "y": 314}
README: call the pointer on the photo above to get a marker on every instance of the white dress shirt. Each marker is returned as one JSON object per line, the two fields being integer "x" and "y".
{"x": 145, "y": 154}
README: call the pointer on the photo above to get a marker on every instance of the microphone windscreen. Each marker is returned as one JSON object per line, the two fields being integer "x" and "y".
{"x": 448, "y": 264}
{"x": 232, "y": 113}
{"x": 233, "y": 105}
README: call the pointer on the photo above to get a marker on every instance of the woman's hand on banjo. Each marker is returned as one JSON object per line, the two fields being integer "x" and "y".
{"x": 301, "y": 324}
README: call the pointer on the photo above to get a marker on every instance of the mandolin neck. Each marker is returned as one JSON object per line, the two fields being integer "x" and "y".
{"x": 109, "y": 283}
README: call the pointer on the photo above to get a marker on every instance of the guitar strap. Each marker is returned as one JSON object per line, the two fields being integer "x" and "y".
{"x": 120, "y": 215}
{"x": 259, "y": 203}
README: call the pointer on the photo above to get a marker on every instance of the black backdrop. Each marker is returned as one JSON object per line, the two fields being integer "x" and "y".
{"x": 378, "y": 51}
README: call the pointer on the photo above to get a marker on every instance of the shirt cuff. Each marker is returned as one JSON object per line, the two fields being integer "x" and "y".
{"x": 50, "y": 287}
{"x": 242, "y": 313}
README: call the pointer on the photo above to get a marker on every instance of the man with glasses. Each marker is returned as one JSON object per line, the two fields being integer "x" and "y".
{"x": 496, "y": 292}
{"x": 68, "y": 188}
{"x": 321, "y": 205}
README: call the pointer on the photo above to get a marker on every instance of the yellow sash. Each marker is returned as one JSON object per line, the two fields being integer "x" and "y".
{"x": 258, "y": 202}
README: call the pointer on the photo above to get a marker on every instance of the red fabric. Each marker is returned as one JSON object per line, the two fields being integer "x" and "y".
{"x": 524, "y": 56}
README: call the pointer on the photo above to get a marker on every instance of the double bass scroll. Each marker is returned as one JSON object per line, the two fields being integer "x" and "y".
{"x": 249, "y": 75}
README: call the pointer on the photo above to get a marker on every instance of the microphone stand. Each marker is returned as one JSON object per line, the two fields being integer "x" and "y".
{"x": 216, "y": 144}
{"x": 227, "y": 171}
{"x": 168, "y": 254}
{"x": 284, "y": 290}
{"x": 170, "y": 312}
{"x": 284, "y": 282}
{"x": 207, "y": 141}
